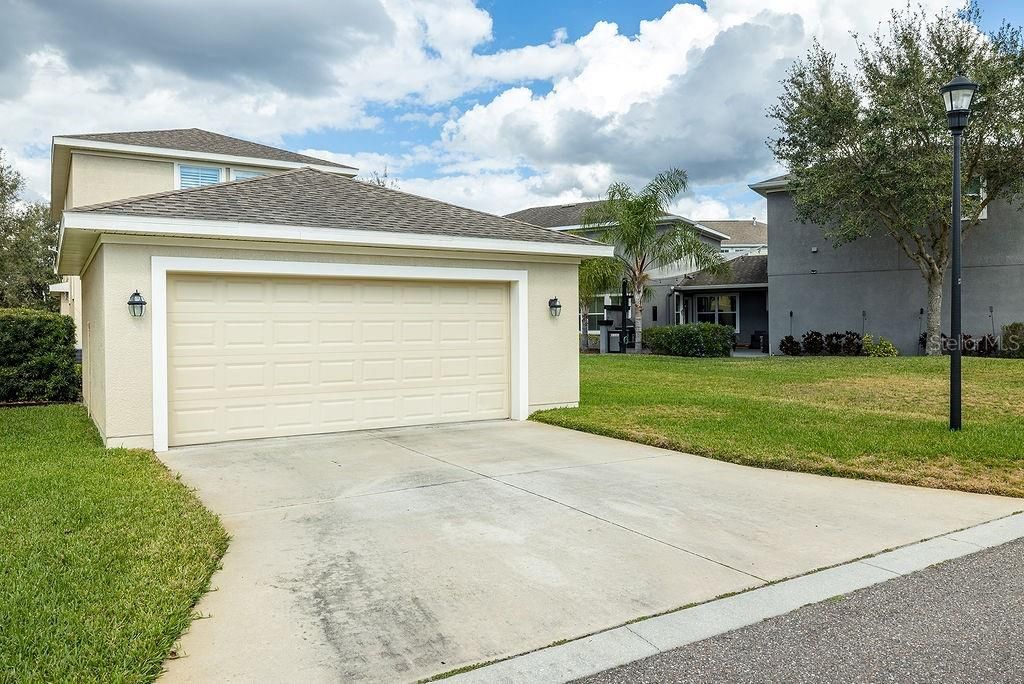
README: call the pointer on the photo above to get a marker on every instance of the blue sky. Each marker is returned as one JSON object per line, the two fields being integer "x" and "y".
{"x": 494, "y": 104}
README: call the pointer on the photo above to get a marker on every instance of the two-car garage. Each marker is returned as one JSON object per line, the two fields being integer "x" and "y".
{"x": 252, "y": 356}
{"x": 308, "y": 302}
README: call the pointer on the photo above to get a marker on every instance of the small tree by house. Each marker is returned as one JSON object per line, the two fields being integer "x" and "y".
{"x": 644, "y": 241}
{"x": 597, "y": 277}
{"x": 869, "y": 149}
{"x": 28, "y": 240}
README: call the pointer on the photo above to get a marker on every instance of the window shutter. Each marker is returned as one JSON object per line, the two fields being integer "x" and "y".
{"x": 197, "y": 176}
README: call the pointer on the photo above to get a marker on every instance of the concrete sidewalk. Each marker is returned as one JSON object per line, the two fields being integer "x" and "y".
{"x": 401, "y": 554}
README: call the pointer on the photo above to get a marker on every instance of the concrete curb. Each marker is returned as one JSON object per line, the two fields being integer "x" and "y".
{"x": 634, "y": 641}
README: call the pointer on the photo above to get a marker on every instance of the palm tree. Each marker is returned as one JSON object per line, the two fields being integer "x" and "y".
{"x": 635, "y": 223}
{"x": 597, "y": 277}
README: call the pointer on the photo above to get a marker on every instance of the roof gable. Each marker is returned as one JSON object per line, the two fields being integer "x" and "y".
{"x": 315, "y": 199}
{"x": 741, "y": 232}
{"x": 198, "y": 140}
{"x": 744, "y": 270}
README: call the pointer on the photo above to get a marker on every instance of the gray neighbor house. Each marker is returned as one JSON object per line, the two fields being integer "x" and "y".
{"x": 680, "y": 293}
{"x": 871, "y": 285}
{"x": 787, "y": 276}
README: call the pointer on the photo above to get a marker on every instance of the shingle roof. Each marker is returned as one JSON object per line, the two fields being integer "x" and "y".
{"x": 310, "y": 198}
{"x": 741, "y": 232}
{"x": 561, "y": 215}
{"x": 198, "y": 140}
{"x": 744, "y": 270}
{"x": 554, "y": 216}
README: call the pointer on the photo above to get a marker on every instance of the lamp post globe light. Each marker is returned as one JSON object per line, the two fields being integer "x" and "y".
{"x": 957, "y": 96}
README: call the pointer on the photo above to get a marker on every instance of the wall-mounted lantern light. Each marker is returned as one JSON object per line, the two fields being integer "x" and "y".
{"x": 136, "y": 305}
{"x": 555, "y": 306}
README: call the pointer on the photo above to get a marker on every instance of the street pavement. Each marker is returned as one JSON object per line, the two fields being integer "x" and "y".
{"x": 960, "y": 621}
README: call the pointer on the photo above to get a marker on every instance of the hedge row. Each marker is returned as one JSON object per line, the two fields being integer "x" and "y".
{"x": 37, "y": 357}
{"x": 813, "y": 343}
{"x": 690, "y": 339}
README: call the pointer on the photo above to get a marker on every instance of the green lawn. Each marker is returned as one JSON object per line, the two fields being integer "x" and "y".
{"x": 102, "y": 552}
{"x": 882, "y": 419}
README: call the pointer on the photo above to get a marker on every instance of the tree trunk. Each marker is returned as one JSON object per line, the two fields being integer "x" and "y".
{"x": 933, "y": 341}
{"x": 584, "y": 327}
{"x": 638, "y": 323}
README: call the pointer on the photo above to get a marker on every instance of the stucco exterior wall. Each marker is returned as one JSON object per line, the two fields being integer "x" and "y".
{"x": 872, "y": 275}
{"x": 93, "y": 329}
{"x": 99, "y": 178}
{"x": 126, "y": 392}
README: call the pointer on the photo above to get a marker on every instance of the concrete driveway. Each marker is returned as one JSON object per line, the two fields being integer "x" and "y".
{"x": 399, "y": 554}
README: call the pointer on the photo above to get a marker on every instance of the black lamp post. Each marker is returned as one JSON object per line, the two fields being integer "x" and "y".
{"x": 957, "y": 96}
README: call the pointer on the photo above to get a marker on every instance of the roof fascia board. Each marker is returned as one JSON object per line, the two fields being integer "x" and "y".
{"x": 765, "y": 187}
{"x": 668, "y": 219}
{"x": 119, "y": 223}
{"x": 79, "y": 144}
{"x": 733, "y": 286}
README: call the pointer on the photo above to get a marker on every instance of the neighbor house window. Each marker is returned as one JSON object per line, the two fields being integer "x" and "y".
{"x": 239, "y": 174}
{"x": 721, "y": 309}
{"x": 596, "y": 313}
{"x": 190, "y": 176}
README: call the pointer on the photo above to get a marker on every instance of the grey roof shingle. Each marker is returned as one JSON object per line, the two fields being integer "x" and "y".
{"x": 554, "y": 216}
{"x": 561, "y": 215}
{"x": 745, "y": 270}
{"x": 740, "y": 232}
{"x": 198, "y": 140}
{"x": 310, "y": 198}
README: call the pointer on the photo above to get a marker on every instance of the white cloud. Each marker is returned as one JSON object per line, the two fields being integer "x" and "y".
{"x": 689, "y": 89}
{"x": 500, "y": 193}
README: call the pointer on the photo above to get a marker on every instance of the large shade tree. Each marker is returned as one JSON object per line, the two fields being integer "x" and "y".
{"x": 869, "y": 150}
{"x": 647, "y": 237}
{"x": 28, "y": 238}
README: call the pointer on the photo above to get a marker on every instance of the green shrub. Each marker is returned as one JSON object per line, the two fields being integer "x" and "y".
{"x": 690, "y": 339}
{"x": 834, "y": 343}
{"x": 37, "y": 357}
{"x": 813, "y": 342}
{"x": 853, "y": 343}
{"x": 789, "y": 346}
{"x": 881, "y": 348}
{"x": 1012, "y": 344}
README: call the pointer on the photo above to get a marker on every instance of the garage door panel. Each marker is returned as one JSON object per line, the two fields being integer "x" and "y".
{"x": 256, "y": 357}
{"x": 208, "y": 377}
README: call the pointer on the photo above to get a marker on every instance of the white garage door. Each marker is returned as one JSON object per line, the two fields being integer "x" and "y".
{"x": 265, "y": 357}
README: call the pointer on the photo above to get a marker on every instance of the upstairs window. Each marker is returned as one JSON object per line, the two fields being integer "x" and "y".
{"x": 240, "y": 174}
{"x": 191, "y": 176}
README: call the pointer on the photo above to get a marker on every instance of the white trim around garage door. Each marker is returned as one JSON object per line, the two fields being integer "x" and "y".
{"x": 162, "y": 266}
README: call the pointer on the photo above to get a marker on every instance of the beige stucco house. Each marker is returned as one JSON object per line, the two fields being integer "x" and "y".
{"x": 284, "y": 297}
